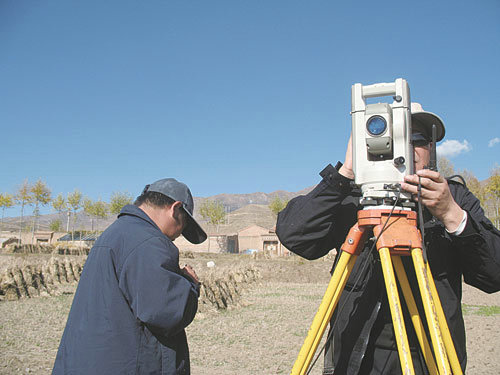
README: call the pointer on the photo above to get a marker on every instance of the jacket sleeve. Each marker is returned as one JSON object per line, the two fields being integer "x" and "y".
{"x": 313, "y": 224}
{"x": 159, "y": 296}
{"x": 478, "y": 245}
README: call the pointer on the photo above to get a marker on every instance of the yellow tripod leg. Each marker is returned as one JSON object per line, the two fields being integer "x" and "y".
{"x": 396, "y": 312}
{"x": 324, "y": 314}
{"x": 445, "y": 331}
{"x": 430, "y": 311}
{"x": 415, "y": 317}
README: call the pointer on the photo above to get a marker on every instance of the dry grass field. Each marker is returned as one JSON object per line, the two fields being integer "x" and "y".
{"x": 260, "y": 332}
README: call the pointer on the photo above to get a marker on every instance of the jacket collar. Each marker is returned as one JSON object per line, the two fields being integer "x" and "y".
{"x": 132, "y": 210}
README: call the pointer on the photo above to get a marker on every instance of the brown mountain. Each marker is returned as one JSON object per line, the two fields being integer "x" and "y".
{"x": 235, "y": 201}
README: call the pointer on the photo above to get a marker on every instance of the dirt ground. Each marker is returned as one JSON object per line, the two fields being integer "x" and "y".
{"x": 262, "y": 335}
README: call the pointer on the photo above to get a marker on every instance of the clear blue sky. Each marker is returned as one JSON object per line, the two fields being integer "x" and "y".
{"x": 229, "y": 96}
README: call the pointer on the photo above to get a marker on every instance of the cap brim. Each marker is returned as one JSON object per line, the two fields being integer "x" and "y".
{"x": 193, "y": 232}
{"x": 426, "y": 120}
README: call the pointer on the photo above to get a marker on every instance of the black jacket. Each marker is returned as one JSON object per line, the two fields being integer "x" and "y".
{"x": 131, "y": 305}
{"x": 313, "y": 224}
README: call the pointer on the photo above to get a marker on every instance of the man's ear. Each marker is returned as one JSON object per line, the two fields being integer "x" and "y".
{"x": 176, "y": 207}
{"x": 177, "y": 204}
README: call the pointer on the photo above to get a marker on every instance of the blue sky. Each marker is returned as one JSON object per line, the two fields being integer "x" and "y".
{"x": 229, "y": 96}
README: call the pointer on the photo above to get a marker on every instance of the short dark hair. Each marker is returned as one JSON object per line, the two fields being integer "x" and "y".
{"x": 153, "y": 198}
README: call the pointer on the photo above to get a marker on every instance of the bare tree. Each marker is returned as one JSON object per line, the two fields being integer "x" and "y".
{"x": 61, "y": 206}
{"x": 277, "y": 204}
{"x": 214, "y": 213}
{"x": 96, "y": 210}
{"x": 23, "y": 197}
{"x": 41, "y": 196}
{"x": 75, "y": 203}
{"x": 100, "y": 211}
{"x": 118, "y": 200}
{"x": 492, "y": 189}
{"x": 474, "y": 185}
{"x": 445, "y": 167}
{"x": 88, "y": 208}
{"x": 56, "y": 225}
{"x": 6, "y": 201}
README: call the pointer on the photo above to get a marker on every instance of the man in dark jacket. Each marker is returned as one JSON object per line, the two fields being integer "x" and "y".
{"x": 461, "y": 243}
{"x": 133, "y": 300}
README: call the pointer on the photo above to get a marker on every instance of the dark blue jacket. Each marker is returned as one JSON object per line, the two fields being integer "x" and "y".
{"x": 131, "y": 305}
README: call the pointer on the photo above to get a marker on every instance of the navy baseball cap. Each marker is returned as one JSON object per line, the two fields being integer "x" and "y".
{"x": 178, "y": 191}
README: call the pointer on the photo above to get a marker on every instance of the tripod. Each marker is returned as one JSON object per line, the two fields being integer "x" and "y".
{"x": 397, "y": 235}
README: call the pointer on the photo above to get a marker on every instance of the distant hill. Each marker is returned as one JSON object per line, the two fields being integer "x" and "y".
{"x": 243, "y": 211}
{"x": 235, "y": 201}
{"x": 243, "y": 217}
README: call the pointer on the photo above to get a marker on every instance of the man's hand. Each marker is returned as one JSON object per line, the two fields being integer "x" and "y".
{"x": 436, "y": 196}
{"x": 188, "y": 271}
{"x": 346, "y": 169}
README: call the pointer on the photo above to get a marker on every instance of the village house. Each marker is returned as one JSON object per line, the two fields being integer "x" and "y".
{"x": 251, "y": 238}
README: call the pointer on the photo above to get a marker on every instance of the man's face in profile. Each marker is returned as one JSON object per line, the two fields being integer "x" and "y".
{"x": 421, "y": 154}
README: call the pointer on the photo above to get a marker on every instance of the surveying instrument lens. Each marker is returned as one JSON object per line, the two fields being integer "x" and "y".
{"x": 376, "y": 125}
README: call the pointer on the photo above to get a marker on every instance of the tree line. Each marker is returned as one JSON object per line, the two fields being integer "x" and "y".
{"x": 38, "y": 195}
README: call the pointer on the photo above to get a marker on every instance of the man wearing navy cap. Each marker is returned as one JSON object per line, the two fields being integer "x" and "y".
{"x": 133, "y": 300}
{"x": 461, "y": 243}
